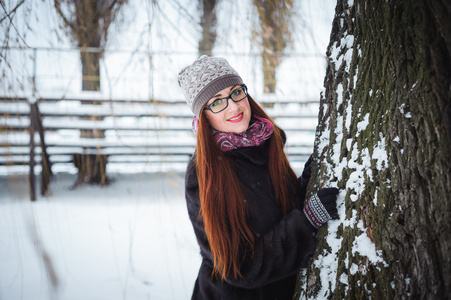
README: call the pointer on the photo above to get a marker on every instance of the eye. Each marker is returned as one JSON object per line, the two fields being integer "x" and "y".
{"x": 236, "y": 93}
{"x": 217, "y": 102}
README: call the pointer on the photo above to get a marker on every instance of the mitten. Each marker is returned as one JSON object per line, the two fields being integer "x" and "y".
{"x": 321, "y": 207}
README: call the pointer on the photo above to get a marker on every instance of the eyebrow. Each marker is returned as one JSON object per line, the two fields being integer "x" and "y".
{"x": 231, "y": 88}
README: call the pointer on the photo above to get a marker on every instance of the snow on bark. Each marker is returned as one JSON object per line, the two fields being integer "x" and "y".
{"x": 383, "y": 139}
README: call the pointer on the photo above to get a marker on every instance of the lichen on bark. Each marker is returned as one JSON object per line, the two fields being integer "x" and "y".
{"x": 383, "y": 138}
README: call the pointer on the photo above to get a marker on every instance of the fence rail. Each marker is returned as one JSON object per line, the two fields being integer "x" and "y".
{"x": 52, "y": 132}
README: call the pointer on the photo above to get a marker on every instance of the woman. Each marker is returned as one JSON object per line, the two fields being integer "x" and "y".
{"x": 244, "y": 200}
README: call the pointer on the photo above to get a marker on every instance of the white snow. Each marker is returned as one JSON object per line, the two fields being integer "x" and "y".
{"x": 365, "y": 247}
{"x": 403, "y": 109}
{"x": 359, "y": 163}
{"x": 353, "y": 269}
{"x": 380, "y": 154}
{"x": 339, "y": 94}
{"x": 364, "y": 123}
{"x": 130, "y": 240}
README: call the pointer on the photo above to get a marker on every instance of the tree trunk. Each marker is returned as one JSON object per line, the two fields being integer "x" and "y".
{"x": 88, "y": 22}
{"x": 91, "y": 169}
{"x": 275, "y": 23}
{"x": 90, "y": 62}
{"x": 383, "y": 139}
{"x": 208, "y": 22}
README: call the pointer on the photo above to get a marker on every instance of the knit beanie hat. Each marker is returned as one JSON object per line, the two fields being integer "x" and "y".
{"x": 204, "y": 78}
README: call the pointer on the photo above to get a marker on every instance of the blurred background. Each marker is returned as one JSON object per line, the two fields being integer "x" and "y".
{"x": 95, "y": 134}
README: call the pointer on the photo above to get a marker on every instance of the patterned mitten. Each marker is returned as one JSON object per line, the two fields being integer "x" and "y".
{"x": 321, "y": 207}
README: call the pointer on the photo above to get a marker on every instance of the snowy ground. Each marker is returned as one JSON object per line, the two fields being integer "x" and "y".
{"x": 132, "y": 240}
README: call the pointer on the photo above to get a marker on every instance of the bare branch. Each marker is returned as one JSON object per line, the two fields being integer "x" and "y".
{"x": 12, "y": 23}
{"x": 13, "y": 11}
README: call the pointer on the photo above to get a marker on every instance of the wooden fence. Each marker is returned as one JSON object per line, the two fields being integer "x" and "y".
{"x": 56, "y": 132}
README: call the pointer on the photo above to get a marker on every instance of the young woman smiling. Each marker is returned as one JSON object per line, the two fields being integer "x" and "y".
{"x": 236, "y": 117}
{"x": 244, "y": 200}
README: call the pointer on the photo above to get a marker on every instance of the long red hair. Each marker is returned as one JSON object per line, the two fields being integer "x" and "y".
{"x": 222, "y": 197}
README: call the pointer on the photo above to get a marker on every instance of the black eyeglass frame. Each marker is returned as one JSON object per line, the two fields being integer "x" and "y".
{"x": 244, "y": 87}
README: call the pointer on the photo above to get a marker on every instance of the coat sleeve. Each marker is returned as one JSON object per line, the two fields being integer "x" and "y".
{"x": 276, "y": 255}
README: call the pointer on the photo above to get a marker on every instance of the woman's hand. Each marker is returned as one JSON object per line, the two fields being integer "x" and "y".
{"x": 307, "y": 173}
{"x": 305, "y": 177}
{"x": 322, "y": 207}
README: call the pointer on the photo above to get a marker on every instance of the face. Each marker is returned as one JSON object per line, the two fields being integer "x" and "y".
{"x": 235, "y": 118}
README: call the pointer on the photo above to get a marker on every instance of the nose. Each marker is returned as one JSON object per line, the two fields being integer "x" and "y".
{"x": 232, "y": 104}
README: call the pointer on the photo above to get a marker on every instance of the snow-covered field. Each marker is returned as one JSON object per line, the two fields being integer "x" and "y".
{"x": 131, "y": 240}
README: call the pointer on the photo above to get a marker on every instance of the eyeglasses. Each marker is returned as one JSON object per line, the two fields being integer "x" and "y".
{"x": 220, "y": 104}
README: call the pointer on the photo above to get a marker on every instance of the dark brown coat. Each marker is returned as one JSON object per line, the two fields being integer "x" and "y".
{"x": 282, "y": 243}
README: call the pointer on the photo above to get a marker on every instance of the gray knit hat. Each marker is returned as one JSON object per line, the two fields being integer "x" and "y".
{"x": 204, "y": 78}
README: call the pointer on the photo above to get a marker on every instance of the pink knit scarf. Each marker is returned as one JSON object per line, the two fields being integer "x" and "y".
{"x": 259, "y": 130}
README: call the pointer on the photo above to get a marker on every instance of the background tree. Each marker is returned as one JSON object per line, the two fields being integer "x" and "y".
{"x": 87, "y": 22}
{"x": 275, "y": 33}
{"x": 208, "y": 22}
{"x": 384, "y": 138}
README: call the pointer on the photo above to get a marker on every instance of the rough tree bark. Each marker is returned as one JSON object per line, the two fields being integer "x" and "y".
{"x": 383, "y": 139}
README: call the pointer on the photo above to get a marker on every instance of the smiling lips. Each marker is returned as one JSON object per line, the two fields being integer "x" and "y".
{"x": 237, "y": 118}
